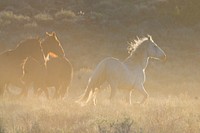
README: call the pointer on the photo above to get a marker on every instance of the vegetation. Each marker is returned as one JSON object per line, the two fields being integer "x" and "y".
{"x": 173, "y": 114}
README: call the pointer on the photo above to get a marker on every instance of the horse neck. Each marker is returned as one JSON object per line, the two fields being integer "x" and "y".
{"x": 18, "y": 55}
{"x": 46, "y": 49}
{"x": 137, "y": 61}
{"x": 21, "y": 55}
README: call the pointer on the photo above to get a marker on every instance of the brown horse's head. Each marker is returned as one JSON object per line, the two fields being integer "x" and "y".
{"x": 30, "y": 48}
{"x": 51, "y": 44}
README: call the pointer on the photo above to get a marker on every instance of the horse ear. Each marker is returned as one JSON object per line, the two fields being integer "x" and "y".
{"x": 48, "y": 34}
{"x": 54, "y": 34}
{"x": 40, "y": 39}
{"x": 138, "y": 38}
{"x": 149, "y": 37}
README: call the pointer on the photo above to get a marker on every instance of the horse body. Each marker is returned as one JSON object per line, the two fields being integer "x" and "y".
{"x": 56, "y": 73}
{"x": 59, "y": 75}
{"x": 12, "y": 60}
{"x": 108, "y": 70}
{"x": 34, "y": 73}
{"x": 118, "y": 74}
{"x": 127, "y": 75}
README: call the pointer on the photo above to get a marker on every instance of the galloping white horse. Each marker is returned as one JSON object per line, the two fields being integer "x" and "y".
{"x": 129, "y": 74}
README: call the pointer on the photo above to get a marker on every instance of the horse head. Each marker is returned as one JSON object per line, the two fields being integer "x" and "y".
{"x": 153, "y": 50}
{"x": 52, "y": 45}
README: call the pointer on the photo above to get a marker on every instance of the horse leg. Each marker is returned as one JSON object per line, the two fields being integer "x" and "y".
{"x": 2, "y": 89}
{"x": 35, "y": 90}
{"x": 57, "y": 91}
{"x": 45, "y": 90}
{"x": 40, "y": 87}
{"x": 5, "y": 88}
{"x": 113, "y": 90}
{"x": 63, "y": 90}
{"x": 38, "y": 91}
{"x": 24, "y": 92}
{"x": 144, "y": 93}
{"x": 95, "y": 96}
{"x": 128, "y": 97}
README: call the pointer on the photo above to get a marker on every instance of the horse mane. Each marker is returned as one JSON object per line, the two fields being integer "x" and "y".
{"x": 135, "y": 44}
{"x": 23, "y": 42}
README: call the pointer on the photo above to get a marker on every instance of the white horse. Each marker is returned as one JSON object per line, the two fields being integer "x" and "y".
{"x": 129, "y": 74}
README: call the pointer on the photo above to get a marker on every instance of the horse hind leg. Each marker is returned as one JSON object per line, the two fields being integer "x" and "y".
{"x": 63, "y": 90}
{"x": 113, "y": 91}
{"x": 94, "y": 96}
{"x": 2, "y": 89}
{"x": 57, "y": 92}
{"x": 144, "y": 93}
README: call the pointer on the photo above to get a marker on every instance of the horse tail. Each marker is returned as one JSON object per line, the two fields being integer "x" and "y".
{"x": 97, "y": 78}
{"x": 86, "y": 96}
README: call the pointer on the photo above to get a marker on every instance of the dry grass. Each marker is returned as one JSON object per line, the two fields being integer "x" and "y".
{"x": 158, "y": 115}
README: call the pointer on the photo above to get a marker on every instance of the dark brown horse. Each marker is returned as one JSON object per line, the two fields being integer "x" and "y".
{"x": 11, "y": 62}
{"x": 56, "y": 73}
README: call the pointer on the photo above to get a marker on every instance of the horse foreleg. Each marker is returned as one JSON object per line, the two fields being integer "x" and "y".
{"x": 38, "y": 91}
{"x": 24, "y": 91}
{"x": 63, "y": 90}
{"x": 144, "y": 93}
{"x": 113, "y": 90}
{"x": 35, "y": 90}
{"x": 46, "y": 92}
{"x": 128, "y": 98}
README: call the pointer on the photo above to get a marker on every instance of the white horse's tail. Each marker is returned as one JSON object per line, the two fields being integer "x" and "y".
{"x": 97, "y": 78}
{"x": 86, "y": 97}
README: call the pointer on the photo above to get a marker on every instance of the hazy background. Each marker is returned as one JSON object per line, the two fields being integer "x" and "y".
{"x": 91, "y": 30}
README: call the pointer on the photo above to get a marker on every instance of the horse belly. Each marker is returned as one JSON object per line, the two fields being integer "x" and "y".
{"x": 117, "y": 74}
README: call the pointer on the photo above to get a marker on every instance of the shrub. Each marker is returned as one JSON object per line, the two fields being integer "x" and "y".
{"x": 31, "y": 25}
{"x": 9, "y": 15}
{"x": 116, "y": 127}
{"x": 43, "y": 17}
{"x": 65, "y": 14}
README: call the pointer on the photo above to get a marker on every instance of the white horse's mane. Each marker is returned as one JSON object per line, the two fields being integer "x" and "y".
{"x": 133, "y": 45}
